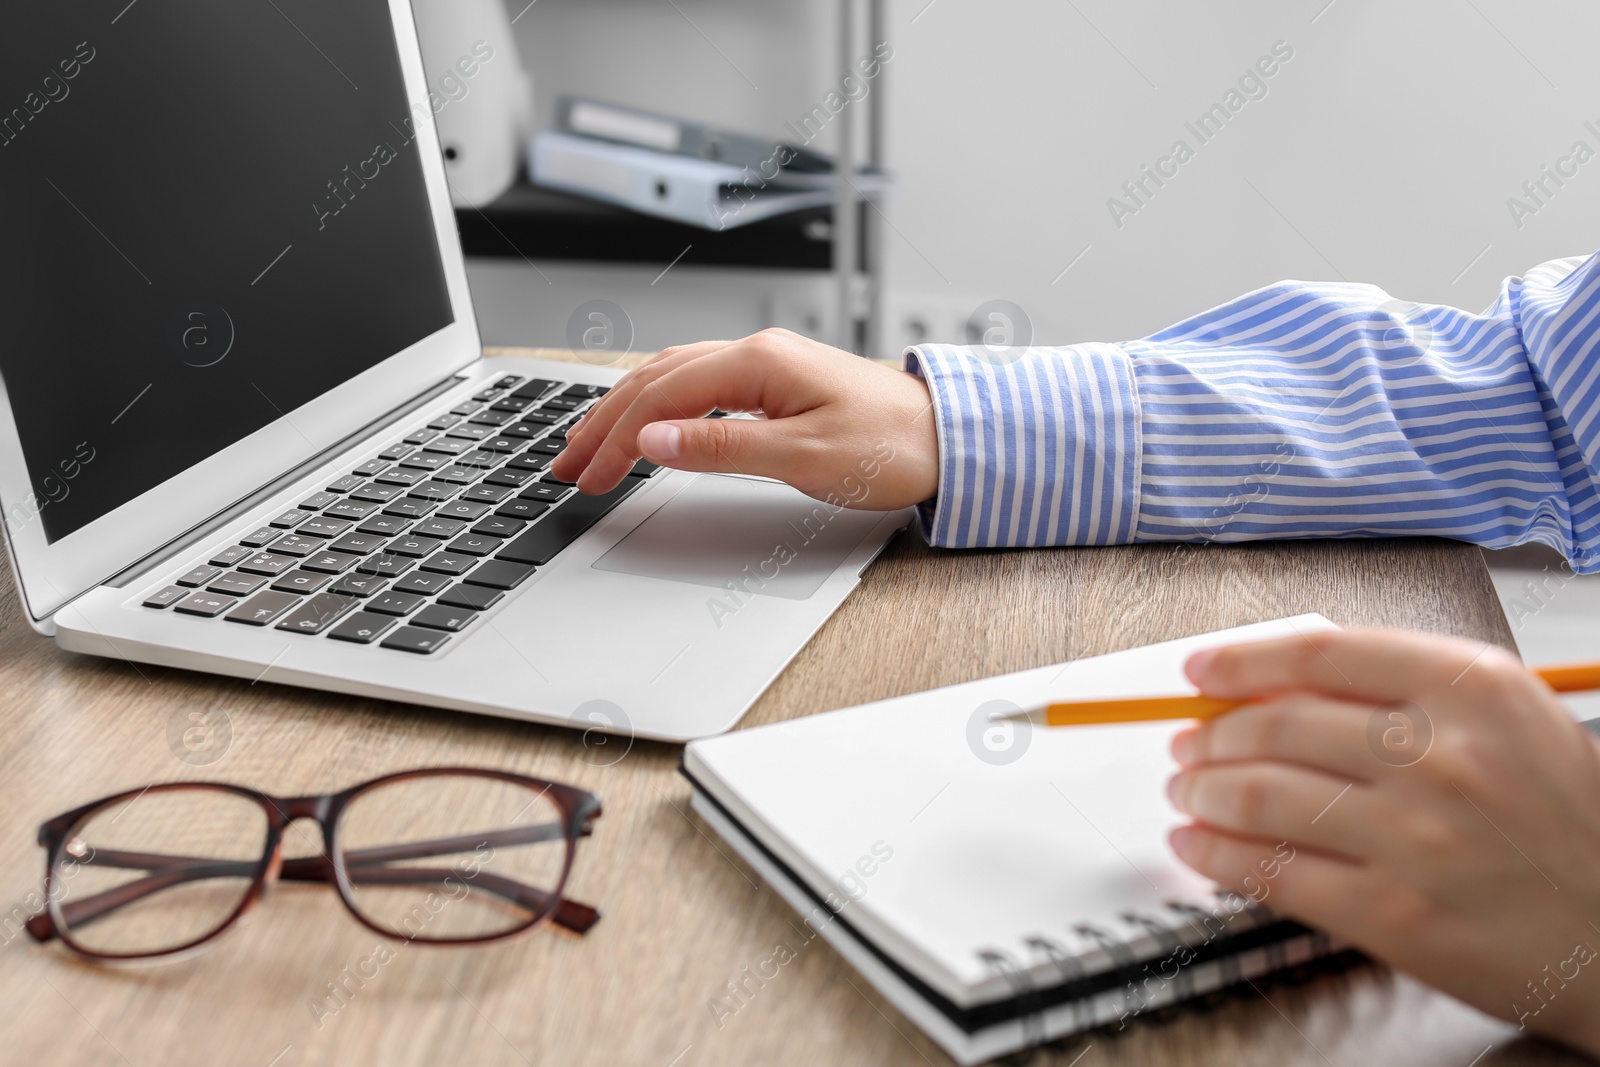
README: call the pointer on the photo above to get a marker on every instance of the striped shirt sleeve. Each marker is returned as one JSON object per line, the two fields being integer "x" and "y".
{"x": 1298, "y": 410}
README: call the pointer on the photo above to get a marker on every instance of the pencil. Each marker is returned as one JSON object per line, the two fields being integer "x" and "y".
{"x": 1569, "y": 678}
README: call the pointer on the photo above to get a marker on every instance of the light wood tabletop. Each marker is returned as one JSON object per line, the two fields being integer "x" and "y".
{"x": 302, "y": 984}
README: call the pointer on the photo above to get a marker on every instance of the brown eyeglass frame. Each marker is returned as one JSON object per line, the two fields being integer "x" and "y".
{"x": 578, "y": 810}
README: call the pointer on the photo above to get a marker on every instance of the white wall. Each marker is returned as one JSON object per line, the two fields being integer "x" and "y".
{"x": 1384, "y": 150}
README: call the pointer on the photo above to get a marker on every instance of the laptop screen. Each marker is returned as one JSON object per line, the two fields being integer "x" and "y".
{"x": 213, "y": 212}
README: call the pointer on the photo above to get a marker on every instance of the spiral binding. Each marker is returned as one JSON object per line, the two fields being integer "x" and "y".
{"x": 1023, "y": 989}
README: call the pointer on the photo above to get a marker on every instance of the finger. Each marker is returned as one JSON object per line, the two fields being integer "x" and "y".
{"x": 768, "y": 448}
{"x": 1277, "y": 802}
{"x": 685, "y": 392}
{"x": 1325, "y": 891}
{"x": 1376, "y": 666}
{"x": 1329, "y": 735}
{"x": 603, "y": 413}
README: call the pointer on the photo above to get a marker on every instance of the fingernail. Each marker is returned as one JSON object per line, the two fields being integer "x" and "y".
{"x": 1199, "y": 664}
{"x": 661, "y": 441}
{"x": 1183, "y": 747}
{"x": 1181, "y": 838}
{"x": 1177, "y": 788}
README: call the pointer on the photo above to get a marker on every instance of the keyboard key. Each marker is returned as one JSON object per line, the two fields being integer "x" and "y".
{"x": 419, "y": 582}
{"x": 643, "y": 469}
{"x": 227, "y": 557}
{"x": 395, "y": 452}
{"x": 359, "y": 586}
{"x": 585, "y": 392}
{"x": 164, "y": 597}
{"x": 210, "y": 605}
{"x": 386, "y": 564}
{"x": 370, "y": 467}
{"x": 550, "y": 479}
{"x": 562, "y": 403}
{"x": 485, "y": 395}
{"x": 564, "y": 525}
{"x": 480, "y": 458}
{"x": 324, "y": 526}
{"x": 330, "y": 562}
{"x": 295, "y": 545}
{"x": 549, "y": 492}
{"x": 522, "y": 431}
{"x": 447, "y": 562}
{"x": 425, "y": 461}
{"x": 269, "y": 563}
{"x": 499, "y": 574}
{"x": 471, "y": 597}
{"x": 344, "y": 484}
{"x": 300, "y": 581}
{"x": 512, "y": 403}
{"x": 318, "y": 501}
{"x": 475, "y": 545}
{"x": 458, "y": 474}
{"x": 378, "y": 492}
{"x": 363, "y": 628}
{"x": 401, "y": 476}
{"x": 516, "y": 479}
{"x": 443, "y": 617}
{"x": 384, "y": 525}
{"x": 448, "y": 446}
{"x": 407, "y": 508}
{"x": 520, "y": 509}
{"x": 393, "y": 603}
{"x": 549, "y": 446}
{"x": 439, "y": 527}
{"x": 416, "y": 639}
{"x": 535, "y": 388}
{"x": 263, "y": 608}
{"x": 528, "y": 461}
{"x": 256, "y": 538}
{"x": 444, "y": 422}
{"x": 498, "y": 526}
{"x": 291, "y": 518}
{"x": 488, "y": 494}
{"x": 467, "y": 407}
{"x": 421, "y": 437}
{"x": 317, "y": 614}
{"x": 199, "y": 576}
{"x": 493, "y": 419}
{"x": 357, "y": 543}
{"x": 469, "y": 431}
{"x": 433, "y": 491}
{"x": 502, "y": 444}
{"x": 506, "y": 381}
{"x": 470, "y": 510}
{"x": 235, "y": 583}
{"x": 415, "y": 547}
{"x": 539, "y": 417}
{"x": 351, "y": 509}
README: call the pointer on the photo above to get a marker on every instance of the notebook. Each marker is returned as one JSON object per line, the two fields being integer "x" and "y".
{"x": 1001, "y": 884}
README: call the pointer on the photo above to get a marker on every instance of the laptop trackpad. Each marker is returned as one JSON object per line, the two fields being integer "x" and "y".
{"x": 765, "y": 537}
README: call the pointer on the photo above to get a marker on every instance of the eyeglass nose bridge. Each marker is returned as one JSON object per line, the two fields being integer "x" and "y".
{"x": 317, "y": 867}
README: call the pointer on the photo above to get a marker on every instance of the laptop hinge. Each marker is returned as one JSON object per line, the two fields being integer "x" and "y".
{"x": 205, "y": 529}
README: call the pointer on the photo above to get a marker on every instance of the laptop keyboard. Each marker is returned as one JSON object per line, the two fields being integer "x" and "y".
{"x": 407, "y": 548}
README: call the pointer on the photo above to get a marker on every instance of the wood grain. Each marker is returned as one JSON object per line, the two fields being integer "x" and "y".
{"x": 682, "y": 919}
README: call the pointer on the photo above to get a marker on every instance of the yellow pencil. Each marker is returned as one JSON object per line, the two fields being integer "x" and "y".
{"x": 1571, "y": 678}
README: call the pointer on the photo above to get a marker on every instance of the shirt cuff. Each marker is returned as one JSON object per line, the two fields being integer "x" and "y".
{"x": 1037, "y": 446}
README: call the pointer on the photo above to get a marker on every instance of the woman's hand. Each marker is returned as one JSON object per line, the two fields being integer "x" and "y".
{"x": 1443, "y": 807}
{"x": 837, "y": 427}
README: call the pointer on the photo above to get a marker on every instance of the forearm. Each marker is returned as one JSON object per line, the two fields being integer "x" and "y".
{"x": 1294, "y": 411}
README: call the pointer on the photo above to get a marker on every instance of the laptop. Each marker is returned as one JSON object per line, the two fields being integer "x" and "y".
{"x": 246, "y": 424}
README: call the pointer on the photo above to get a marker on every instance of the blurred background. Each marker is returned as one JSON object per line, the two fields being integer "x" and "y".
{"x": 1431, "y": 148}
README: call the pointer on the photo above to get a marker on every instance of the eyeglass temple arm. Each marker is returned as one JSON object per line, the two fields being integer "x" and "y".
{"x": 168, "y": 871}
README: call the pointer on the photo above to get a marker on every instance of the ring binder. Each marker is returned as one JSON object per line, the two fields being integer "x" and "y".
{"x": 1024, "y": 991}
{"x": 1071, "y": 969}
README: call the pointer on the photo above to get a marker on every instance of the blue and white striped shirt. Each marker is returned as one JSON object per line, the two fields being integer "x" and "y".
{"x": 1298, "y": 410}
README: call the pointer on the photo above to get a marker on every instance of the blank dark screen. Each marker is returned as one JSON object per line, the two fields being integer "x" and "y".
{"x": 214, "y": 212}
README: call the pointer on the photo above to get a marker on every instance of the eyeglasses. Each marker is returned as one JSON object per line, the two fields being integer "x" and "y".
{"x": 442, "y": 856}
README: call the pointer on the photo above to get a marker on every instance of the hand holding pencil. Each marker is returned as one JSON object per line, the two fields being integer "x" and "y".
{"x": 1469, "y": 858}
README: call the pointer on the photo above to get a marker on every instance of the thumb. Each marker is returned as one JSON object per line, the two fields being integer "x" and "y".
{"x": 725, "y": 446}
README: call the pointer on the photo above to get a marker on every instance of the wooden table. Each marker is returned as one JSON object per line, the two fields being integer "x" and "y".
{"x": 681, "y": 917}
